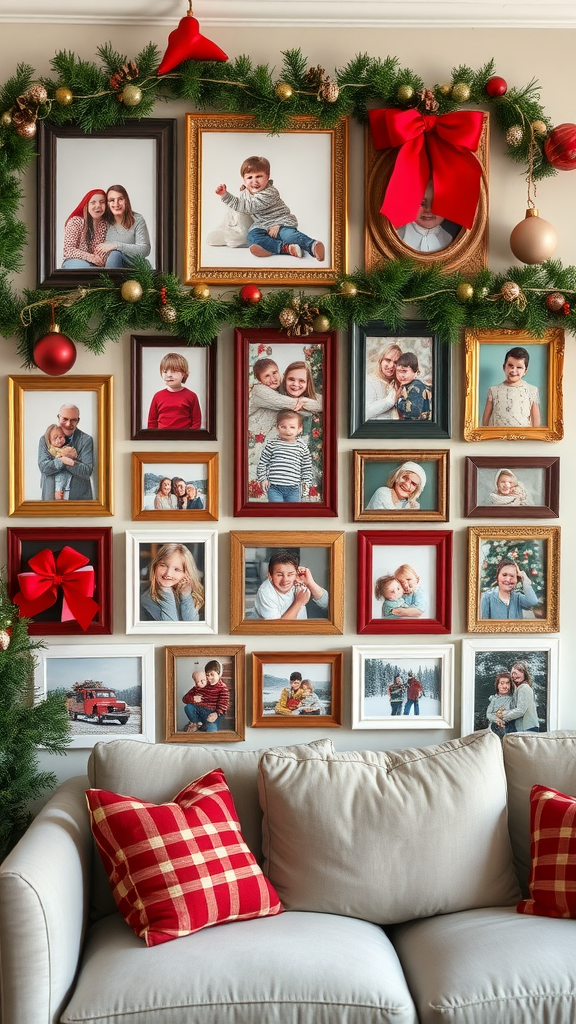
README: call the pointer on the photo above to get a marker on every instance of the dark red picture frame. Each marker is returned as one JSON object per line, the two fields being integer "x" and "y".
{"x": 547, "y": 509}
{"x": 95, "y": 542}
{"x": 243, "y": 506}
{"x": 441, "y": 540}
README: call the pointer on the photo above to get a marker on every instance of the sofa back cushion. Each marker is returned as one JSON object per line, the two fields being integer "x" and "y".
{"x": 534, "y": 759}
{"x": 388, "y": 837}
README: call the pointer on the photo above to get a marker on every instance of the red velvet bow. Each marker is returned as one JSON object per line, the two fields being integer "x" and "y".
{"x": 440, "y": 147}
{"x": 39, "y": 588}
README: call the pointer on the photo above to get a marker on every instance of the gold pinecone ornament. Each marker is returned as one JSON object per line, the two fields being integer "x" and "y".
{"x": 297, "y": 319}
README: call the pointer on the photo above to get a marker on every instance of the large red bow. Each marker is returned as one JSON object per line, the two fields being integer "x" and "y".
{"x": 440, "y": 147}
{"x": 39, "y": 588}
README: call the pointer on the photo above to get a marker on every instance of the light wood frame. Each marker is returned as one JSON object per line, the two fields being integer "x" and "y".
{"x": 208, "y": 459}
{"x": 439, "y": 459}
{"x": 301, "y": 659}
{"x": 173, "y": 733}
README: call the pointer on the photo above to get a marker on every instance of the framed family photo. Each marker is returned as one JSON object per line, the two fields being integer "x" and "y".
{"x": 62, "y": 579}
{"x": 286, "y": 411}
{"x": 399, "y": 382}
{"x": 401, "y": 486}
{"x": 289, "y": 582}
{"x": 513, "y": 385}
{"x": 171, "y": 581}
{"x": 205, "y": 697}
{"x": 173, "y": 389}
{"x": 109, "y": 690}
{"x": 404, "y": 581}
{"x": 403, "y": 687}
{"x": 510, "y": 685}
{"x": 105, "y": 198}
{"x": 60, "y": 446}
{"x": 253, "y": 210}
{"x": 515, "y": 487}
{"x": 513, "y": 579}
{"x": 181, "y": 486}
{"x": 428, "y": 238}
{"x": 297, "y": 690}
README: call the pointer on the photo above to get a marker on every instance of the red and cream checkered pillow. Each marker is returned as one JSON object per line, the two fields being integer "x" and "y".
{"x": 178, "y": 867}
{"x": 552, "y": 881}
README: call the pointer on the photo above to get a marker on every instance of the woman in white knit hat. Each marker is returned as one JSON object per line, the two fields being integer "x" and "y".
{"x": 403, "y": 488}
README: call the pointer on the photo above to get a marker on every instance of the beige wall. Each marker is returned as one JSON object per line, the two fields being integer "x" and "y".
{"x": 519, "y": 55}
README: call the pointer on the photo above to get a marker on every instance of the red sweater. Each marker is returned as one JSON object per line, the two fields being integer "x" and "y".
{"x": 175, "y": 410}
{"x": 215, "y": 698}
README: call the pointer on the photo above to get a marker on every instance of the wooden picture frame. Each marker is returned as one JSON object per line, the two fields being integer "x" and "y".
{"x": 148, "y": 353}
{"x": 197, "y": 471}
{"x": 35, "y": 471}
{"x": 381, "y": 674}
{"x": 468, "y": 250}
{"x": 485, "y": 351}
{"x": 250, "y": 554}
{"x": 423, "y": 602}
{"x": 512, "y": 487}
{"x": 373, "y": 402}
{"x": 535, "y": 551}
{"x": 139, "y": 155}
{"x": 378, "y": 485}
{"x": 308, "y": 367}
{"x": 296, "y": 705}
{"x": 217, "y": 250}
{"x": 109, "y": 690}
{"x": 159, "y": 564}
{"x": 180, "y": 663}
{"x": 88, "y": 568}
{"x": 484, "y": 659}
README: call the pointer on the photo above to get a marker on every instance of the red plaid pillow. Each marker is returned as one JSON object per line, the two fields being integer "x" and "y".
{"x": 552, "y": 882}
{"x": 176, "y": 868}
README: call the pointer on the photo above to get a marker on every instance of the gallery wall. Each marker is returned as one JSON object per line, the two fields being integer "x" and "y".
{"x": 519, "y": 55}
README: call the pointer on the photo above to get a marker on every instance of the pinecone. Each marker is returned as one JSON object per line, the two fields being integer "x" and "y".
{"x": 328, "y": 90}
{"x": 428, "y": 100}
{"x": 297, "y": 319}
{"x": 314, "y": 76}
{"x": 126, "y": 73}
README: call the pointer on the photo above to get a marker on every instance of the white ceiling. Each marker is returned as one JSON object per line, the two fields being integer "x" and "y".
{"x": 333, "y": 13}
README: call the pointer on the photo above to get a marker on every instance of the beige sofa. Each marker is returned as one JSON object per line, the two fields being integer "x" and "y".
{"x": 399, "y": 873}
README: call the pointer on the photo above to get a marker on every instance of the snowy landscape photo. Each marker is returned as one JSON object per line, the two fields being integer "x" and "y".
{"x": 402, "y": 687}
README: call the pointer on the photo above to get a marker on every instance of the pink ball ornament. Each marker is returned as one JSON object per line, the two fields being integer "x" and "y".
{"x": 54, "y": 354}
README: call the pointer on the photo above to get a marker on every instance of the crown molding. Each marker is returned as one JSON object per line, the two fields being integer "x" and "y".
{"x": 311, "y": 13}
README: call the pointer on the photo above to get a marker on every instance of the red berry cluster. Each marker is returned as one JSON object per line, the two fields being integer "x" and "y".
{"x": 163, "y": 294}
{"x": 566, "y": 308}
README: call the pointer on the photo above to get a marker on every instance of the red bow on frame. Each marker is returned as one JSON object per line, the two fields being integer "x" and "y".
{"x": 440, "y": 147}
{"x": 39, "y": 588}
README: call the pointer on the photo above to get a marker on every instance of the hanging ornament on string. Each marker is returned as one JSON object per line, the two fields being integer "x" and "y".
{"x": 187, "y": 43}
{"x": 533, "y": 240}
{"x": 54, "y": 353}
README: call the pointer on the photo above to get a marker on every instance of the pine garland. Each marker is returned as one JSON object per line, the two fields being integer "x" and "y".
{"x": 94, "y": 316}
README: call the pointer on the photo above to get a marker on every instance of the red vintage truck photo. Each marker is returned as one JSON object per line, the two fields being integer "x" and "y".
{"x": 91, "y": 701}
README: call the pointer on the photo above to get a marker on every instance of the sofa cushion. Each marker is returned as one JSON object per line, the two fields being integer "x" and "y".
{"x": 289, "y": 969}
{"x": 489, "y": 966}
{"x": 552, "y": 881}
{"x": 389, "y": 836}
{"x": 534, "y": 759}
{"x": 179, "y": 867}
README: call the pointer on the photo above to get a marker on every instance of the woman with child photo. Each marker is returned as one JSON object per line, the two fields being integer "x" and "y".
{"x": 398, "y": 380}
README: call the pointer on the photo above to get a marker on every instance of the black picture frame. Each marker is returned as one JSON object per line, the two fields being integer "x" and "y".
{"x": 361, "y": 336}
{"x": 162, "y": 131}
{"x": 141, "y": 347}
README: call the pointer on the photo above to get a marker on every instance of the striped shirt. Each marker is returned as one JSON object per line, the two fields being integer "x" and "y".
{"x": 266, "y": 207}
{"x": 285, "y": 463}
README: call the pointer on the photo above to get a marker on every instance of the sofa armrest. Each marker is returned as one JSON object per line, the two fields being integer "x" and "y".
{"x": 44, "y": 902}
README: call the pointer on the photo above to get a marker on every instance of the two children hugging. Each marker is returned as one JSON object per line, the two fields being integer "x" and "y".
{"x": 274, "y": 230}
{"x": 208, "y": 699}
{"x": 401, "y": 594}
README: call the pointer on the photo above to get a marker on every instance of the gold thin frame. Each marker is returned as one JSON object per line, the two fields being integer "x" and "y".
{"x": 208, "y": 459}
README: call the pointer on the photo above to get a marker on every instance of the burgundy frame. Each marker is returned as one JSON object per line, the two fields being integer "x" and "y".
{"x": 55, "y": 537}
{"x": 308, "y": 510}
{"x": 551, "y": 466}
{"x": 442, "y": 541}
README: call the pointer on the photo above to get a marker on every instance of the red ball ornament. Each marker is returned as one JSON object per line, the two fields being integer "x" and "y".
{"x": 496, "y": 86}
{"x": 250, "y": 294}
{"x": 54, "y": 354}
{"x": 560, "y": 147}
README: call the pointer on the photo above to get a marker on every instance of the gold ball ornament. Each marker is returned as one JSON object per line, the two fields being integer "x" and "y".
{"x": 404, "y": 93}
{"x": 288, "y": 317}
{"x": 36, "y": 94}
{"x": 201, "y": 291}
{"x": 64, "y": 96}
{"x": 533, "y": 240}
{"x": 131, "y": 95}
{"x": 445, "y": 89}
{"x": 168, "y": 313}
{"x": 460, "y": 92}
{"x": 284, "y": 91}
{"x": 514, "y": 135}
{"x": 539, "y": 129}
{"x": 510, "y": 291}
{"x": 348, "y": 289}
{"x": 464, "y": 291}
{"x": 320, "y": 324}
{"x": 6, "y": 119}
{"x": 131, "y": 291}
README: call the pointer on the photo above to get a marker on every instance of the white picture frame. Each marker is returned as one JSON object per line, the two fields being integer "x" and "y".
{"x": 433, "y": 665}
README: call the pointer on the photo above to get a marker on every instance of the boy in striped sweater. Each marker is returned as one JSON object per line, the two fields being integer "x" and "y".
{"x": 285, "y": 465}
{"x": 214, "y": 698}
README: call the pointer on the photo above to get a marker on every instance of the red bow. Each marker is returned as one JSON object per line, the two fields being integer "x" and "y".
{"x": 39, "y": 588}
{"x": 440, "y": 147}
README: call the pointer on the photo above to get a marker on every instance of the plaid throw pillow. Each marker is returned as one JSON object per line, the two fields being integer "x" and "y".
{"x": 552, "y": 881}
{"x": 178, "y": 867}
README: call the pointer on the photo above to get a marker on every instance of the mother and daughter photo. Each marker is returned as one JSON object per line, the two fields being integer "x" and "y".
{"x": 398, "y": 379}
{"x": 512, "y": 706}
{"x": 104, "y": 231}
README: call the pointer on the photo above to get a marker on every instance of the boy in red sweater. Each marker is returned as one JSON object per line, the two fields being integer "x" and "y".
{"x": 175, "y": 407}
{"x": 208, "y": 699}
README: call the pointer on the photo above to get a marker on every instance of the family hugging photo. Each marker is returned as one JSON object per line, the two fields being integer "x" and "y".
{"x": 399, "y": 378}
